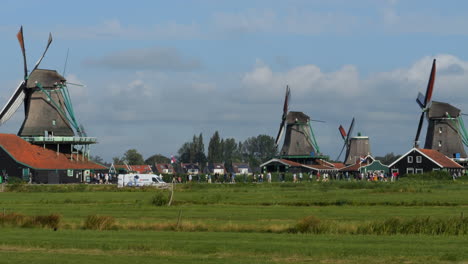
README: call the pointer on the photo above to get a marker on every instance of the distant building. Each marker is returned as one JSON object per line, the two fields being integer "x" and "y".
{"x": 215, "y": 168}
{"x": 365, "y": 165}
{"x": 19, "y": 158}
{"x": 282, "y": 165}
{"x": 241, "y": 168}
{"x": 424, "y": 160}
{"x": 143, "y": 169}
{"x": 164, "y": 168}
{"x": 190, "y": 168}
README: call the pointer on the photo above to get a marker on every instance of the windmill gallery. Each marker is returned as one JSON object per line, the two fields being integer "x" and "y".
{"x": 51, "y": 146}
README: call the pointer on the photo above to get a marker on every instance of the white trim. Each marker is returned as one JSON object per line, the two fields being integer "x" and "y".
{"x": 415, "y": 149}
{"x": 408, "y": 170}
{"x": 419, "y": 171}
{"x": 418, "y": 159}
{"x": 408, "y": 158}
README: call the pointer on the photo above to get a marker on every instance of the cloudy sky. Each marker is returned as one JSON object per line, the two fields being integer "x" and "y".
{"x": 157, "y": 72}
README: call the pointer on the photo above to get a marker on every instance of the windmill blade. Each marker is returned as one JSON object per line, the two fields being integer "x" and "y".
{"x": 45, "y": 51}
{"x": 342, "y": 132}
{"x": 280, "y": 132}
{"x": 285, "y": 114}
{"x": 350, "y": 130}
{"x": 315, "y": 120}
{"x": 341, "y": 152}
{"x": 20, "y": 38}
{"x": 430, "y": 84}
{"x": 420, "y": 100}
{"x": 13, "y": 103}
{"x": 421, "y": 120}
{"x": 286, "y": 101}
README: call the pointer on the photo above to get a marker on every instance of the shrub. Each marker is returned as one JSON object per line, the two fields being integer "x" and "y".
{"x": 15, "y": 219}
{"x": 51, "y": 221}
{"x": 309, "y": 224}
{"x": 159, "y": 199}
{"x": 99, "y": 222}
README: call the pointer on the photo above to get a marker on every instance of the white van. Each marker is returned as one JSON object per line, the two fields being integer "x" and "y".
{"x": 136, "y": 179}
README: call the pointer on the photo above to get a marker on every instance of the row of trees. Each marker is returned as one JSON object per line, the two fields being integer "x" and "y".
{"x": 253, "y": 150}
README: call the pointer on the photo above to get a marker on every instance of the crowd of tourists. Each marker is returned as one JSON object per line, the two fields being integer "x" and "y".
{"x": 281, "y": 177}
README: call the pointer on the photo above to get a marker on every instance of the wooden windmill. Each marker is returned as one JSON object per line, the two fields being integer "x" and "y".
{"x": 356, "y": 147}
{"x": 47, "y": 105}
{"x": 49, "y": 119}
{"x": 299, "y": 140}
{"x": 445, "y": 131}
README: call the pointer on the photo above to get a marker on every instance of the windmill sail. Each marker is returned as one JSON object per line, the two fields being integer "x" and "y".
{"x": 13, "y": 104}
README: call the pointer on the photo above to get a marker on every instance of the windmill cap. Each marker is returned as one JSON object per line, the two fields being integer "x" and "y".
{"x": 440, "y": 110}
{"x": 47, "y": 78}
{"x": 294, "y": 117}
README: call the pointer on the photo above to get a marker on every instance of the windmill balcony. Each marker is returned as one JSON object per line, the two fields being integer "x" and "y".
{"x": 69, "y": 140}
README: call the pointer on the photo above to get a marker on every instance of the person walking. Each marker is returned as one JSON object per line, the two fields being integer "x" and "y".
{"x": 300, "y": 176}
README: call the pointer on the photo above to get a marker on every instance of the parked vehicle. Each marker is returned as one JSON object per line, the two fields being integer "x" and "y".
{"x": 137, "y": 180}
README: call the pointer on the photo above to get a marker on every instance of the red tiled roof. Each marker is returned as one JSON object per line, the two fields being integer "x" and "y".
{"x": 291, "y": 163}
{"x": 137, "y": 168}
{"x": 40, "y": 158}
{"x": 338, "y": 165}
{"x": 163, "y": 166}
{"x": 440, "y": 158}
{"x": 354, "y": 167}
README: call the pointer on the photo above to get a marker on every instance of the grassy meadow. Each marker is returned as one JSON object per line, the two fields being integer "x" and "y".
{"x": 411, "y": 221}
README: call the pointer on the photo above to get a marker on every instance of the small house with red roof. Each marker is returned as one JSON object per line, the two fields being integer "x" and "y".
{"x": 215, "y": 168}
{"x": 19, "y": 158}
{"x": 142, "y": 169}
{"x": 424, "y": 160}
{"x": 164, "y": 168}
{"x": 241, "y": 168}
{"x": 283, "y": 165}
{"x": 190, "y": 168}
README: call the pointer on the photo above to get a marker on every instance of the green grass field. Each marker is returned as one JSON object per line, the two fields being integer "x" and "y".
{"x": 353, "y": 222}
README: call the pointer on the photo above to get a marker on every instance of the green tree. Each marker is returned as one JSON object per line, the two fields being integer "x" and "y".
{"x": 388, "y": 159}
{"x": 117, "y": 161}
{"x": 184, "y": 153}
{"x": 229, "y": 152}
{"x": 157, "y": 158}
{"x": 133, "y": 157}
{"x": 193, "y": 151}
{"x": 215, "y": 149}
{"x": 259, "y": 149}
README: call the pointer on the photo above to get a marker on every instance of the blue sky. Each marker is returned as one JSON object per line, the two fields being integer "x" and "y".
{"x": 158, "y": 72}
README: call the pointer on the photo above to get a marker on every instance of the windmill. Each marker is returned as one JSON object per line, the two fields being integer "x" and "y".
{"x": 356, "y": 147}
{"x": 445, "y": 131}
{"x": 47, "y": 106}
{"x": 299, "y": 137}
{"x": 49, "y": 119}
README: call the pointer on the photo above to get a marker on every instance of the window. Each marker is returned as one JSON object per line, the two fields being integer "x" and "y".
{"x": 440, "y": 143}
{"x": 409, "y": 170}
{"x": 440, "y": 130}
{"x": 410, "y": 159}
{"x": 419, "y": 171}
{"x": 435, "y": 169}
{"x": 53, "y": 122}
{"x": 418, "y": 159}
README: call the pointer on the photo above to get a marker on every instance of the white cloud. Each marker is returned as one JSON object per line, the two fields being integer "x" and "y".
{"x": 114, "y": 29}
{"x": 157, "y": 58}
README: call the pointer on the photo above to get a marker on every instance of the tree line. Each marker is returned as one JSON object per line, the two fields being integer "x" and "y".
{"x": 254, "y": 150}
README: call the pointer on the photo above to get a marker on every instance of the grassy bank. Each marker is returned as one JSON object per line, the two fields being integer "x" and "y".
{"x": 411, "y": 221}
